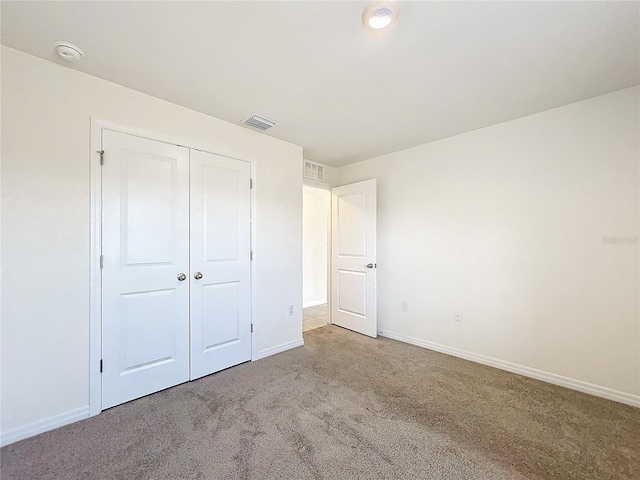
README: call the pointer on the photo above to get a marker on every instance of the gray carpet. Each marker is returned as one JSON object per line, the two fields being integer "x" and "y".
{"x": 345, "y": 406}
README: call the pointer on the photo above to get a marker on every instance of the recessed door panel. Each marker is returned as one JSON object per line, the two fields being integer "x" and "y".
{"x": 221, "y": 193}
{"x": 148, "y": 208}
{"x": 353, "y": 290}
{"x": 221, "y": 304}
{"x": 220, "y": 263}
{"x": 145, "y": 244}
{"x": 352, "y": 213}
{"x": 148, "y": 335}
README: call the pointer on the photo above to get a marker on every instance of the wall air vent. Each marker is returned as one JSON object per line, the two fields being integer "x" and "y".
{"x": 260, "y": 122}
{"x": 313, "y": 170}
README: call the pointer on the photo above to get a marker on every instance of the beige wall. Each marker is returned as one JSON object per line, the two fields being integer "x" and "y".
{"x": 506, "y": 225}
{"x": 46, "y": 111}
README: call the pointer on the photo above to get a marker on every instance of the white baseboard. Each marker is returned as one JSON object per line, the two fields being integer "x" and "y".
{"x": 41, "y": 426}
{"x": 573, "y": 384}
{"x": 315, "y": 303}
{"x": 267, "y": 352}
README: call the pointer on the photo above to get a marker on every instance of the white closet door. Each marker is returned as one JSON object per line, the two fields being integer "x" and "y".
{"x": 145, "y": 244}
{"x": 220, "y": 263}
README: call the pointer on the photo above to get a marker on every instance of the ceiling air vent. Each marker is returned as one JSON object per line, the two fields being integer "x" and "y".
{"x": 313, "y": 170}
{"x": 260, "y": 122}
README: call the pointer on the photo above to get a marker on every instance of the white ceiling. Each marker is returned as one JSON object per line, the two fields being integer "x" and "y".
{"x": 341, "y": 91}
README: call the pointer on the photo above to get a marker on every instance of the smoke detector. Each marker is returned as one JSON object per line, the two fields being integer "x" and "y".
{"x": 260, "y": 122}
{"x": 69, "y": 51}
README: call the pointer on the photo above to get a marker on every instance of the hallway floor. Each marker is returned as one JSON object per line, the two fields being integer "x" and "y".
{"x": 315, "y": 317}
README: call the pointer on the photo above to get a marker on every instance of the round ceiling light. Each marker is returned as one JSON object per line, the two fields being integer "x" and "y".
{"x": 379, "y": 16}
{"x": 69, "y": 51}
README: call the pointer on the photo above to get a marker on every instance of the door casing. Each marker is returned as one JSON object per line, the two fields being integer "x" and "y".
{"x": 95, "y": 277}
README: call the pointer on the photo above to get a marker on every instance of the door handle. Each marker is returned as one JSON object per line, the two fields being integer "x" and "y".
{"x": 197, "y": 275}
{"x": 182, "y": 277}
{"x": 371, "y": 265}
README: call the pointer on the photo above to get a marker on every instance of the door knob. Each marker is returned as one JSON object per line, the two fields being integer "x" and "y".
{"x": 369, "y": 265}
{"x": 182, "y": 277}
{"x": 197, "y": 275}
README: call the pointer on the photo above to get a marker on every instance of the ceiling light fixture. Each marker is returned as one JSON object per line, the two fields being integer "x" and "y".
{"x": 69, "y": 51}
{"x": 379, "y": 16}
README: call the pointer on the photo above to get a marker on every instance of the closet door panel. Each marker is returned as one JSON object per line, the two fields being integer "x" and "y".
{"x": 145, "y": 244}
{"x": 220, "y": 263}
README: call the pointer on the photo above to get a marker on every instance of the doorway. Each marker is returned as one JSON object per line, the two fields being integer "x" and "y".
{"x": 339, "y": 257}
{"x": 316, "y": 204}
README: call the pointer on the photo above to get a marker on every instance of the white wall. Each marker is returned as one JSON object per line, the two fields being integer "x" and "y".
{"x": 315, "y": 220}
{"x": 505, "y": 224}
{"x": 46, "y": 110}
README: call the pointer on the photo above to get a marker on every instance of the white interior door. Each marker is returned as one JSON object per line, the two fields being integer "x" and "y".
{"x": 145, "y": 244}
{"x": 220, "y": 263}
{"x": 353, "y": 246}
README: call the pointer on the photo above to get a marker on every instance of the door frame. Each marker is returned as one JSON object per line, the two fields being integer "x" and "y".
{"x": 95, "y": 277}
{"x": 327, "y": 187}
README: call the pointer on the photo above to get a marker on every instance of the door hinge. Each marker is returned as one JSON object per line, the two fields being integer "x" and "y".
{"x": 251, "y": 255}
{"x": 100, "y": 365}
{"x": 101, "y": 261}
{"x": 252, "y": 328}
{"x": 101, "y": 152}
{"x": 251, "y": 183}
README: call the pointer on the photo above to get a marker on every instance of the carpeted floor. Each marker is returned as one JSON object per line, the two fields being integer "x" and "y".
{"x": 345, "y": 406}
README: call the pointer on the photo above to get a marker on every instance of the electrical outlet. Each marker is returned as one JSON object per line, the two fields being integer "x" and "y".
{"x": 404, "y": 306}
{"x": 290, "y": 310}
{"x": 457, "y": 316}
